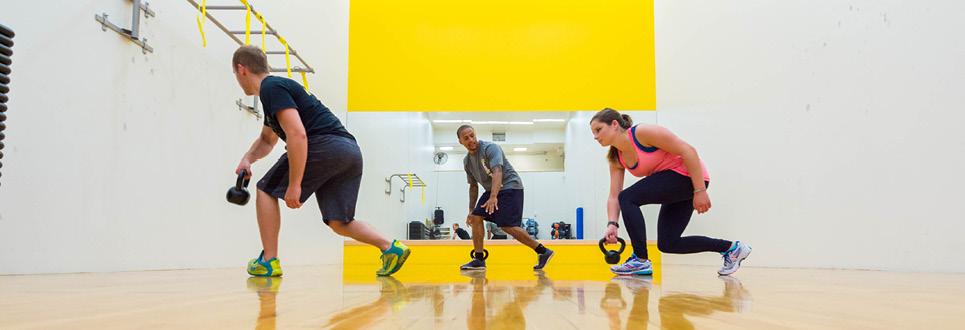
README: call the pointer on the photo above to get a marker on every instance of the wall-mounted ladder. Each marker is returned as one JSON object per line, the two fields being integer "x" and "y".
{"x": 266, "y": 30}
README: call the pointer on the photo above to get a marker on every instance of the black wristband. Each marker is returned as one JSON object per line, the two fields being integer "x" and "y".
{"x": 614, "y": 223}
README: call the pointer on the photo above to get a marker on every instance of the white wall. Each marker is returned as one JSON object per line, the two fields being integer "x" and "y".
{"x": 116, "y": 160}
{"x": 550, "y": 162}
{"x": 394, "y": 142}
{"x": 537, "y": 163}
{"x": 832, "y": 129}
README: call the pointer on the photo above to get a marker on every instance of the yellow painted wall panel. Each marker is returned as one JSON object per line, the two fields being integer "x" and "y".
{"x": 501, "y": 55}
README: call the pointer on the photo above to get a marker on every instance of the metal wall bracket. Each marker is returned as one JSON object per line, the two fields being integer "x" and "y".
{"x": 408, "y": 179}
{"x": 133, "y": 33}
{"x": 253, "y": 108}
{"x": 146, "y": 7}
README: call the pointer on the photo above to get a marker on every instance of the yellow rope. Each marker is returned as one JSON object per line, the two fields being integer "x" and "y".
{"x": 204, "y": 41}
{"x": 247, "y": 22}
{"x": 288, "y": 62}
{"x": 263, "y": 26}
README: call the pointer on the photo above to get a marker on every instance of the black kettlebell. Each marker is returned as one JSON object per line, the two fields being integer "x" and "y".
{"x": 612, "y": 257}
{"x": 472, "y": 254}
{"x": 239, "y": 193}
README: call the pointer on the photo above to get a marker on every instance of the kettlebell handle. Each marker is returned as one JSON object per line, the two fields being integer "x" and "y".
{"x": 623, "y": 245}
{"x": 242, "y": 181}
{"x": 472, "y": 254}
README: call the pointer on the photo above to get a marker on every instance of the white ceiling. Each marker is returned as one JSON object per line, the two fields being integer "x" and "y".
{"x": 531, "y": 149}
{"x": 508, "y": 121}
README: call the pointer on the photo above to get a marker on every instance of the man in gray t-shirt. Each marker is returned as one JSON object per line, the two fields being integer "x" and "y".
{"x": 479, "y": 167}
{"x": 494, "y": 232}
{"x": 501, "y": 204}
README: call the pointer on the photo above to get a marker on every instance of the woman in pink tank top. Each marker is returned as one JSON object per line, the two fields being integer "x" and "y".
{"x": 673, "y": 176}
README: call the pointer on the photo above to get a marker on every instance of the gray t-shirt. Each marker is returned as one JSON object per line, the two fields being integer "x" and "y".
{"x": 493, "y": 228}
{"x": 479, "y": 167}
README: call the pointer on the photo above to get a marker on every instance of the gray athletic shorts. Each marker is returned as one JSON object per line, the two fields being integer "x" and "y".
{"x": 333, "y": 172}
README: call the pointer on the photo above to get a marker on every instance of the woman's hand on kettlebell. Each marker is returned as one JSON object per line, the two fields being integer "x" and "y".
{"x": 610, "y": 234}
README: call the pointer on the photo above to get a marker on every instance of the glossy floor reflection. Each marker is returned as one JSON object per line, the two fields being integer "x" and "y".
{"x": 622, "y": 302}
{"x": 316, "y": 297}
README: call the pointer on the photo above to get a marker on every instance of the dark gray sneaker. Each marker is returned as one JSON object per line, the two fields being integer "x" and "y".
{"x": 474, "y": 264}
{"x": 542, "y": 259}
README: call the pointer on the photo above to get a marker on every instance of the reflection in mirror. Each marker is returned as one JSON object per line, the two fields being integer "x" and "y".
{"x": 533, "y": 144}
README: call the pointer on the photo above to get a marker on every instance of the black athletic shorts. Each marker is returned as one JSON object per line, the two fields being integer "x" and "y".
{"x": 333, "y": 172}
{"x": 510, "y": 212}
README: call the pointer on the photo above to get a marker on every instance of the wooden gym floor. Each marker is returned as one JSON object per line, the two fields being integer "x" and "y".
{"x": 504, "y": 296}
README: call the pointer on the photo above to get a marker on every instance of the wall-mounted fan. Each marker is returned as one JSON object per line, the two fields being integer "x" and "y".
{"x": 440, "y": 158}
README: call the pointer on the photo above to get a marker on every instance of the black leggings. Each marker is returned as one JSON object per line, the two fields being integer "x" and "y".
{"x": 675, "y": 193}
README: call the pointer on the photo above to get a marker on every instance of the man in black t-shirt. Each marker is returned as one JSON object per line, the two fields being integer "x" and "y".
{"x": 459, "y": 232}
{"x": 322, "y": 159}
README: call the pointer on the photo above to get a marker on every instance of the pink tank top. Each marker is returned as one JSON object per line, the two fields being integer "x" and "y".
{"x": 651, "y": 160}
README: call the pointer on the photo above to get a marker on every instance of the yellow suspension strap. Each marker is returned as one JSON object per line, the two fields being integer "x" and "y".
{"x": 247, "y": 22}
{"x": 288, "y": 62}
{"x": 263, "y": 26}
{"x": 304, "y": 81}
{"x": 204, "y": 12}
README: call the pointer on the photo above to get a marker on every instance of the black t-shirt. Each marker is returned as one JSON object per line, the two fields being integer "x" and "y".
{"x": 279, "y": 93}
{"x": 462, "y": 233}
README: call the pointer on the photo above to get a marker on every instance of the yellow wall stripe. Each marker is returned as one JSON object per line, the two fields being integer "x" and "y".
{"x": 501, "y": 55}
